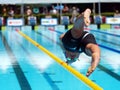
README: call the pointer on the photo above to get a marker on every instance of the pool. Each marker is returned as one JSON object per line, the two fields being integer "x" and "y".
{"x": 25, "y": 67}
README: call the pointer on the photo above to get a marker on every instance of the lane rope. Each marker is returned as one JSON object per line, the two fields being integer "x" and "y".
{"x": 63, "y": 64}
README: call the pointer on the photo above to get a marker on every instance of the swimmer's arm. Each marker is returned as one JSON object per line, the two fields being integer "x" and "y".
{"x": 94, "y": 64}
{"x": 61, "y": 36}
{"x": 61, "y": 45}
{"x": 95, "y": 59}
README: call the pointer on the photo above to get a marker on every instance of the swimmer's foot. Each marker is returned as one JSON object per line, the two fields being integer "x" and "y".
{"x": 87, "y": 13}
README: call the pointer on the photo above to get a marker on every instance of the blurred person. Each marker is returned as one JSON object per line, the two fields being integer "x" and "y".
{"x": 1, "y": 22}
{"x": 65, "y": 9}
{"x": 53, "y": 10}
{"x": 74, "y": 11}
{"x": 4, "y": 11}
{"x": 29, "y": 12}
{"x": 48, "y": 15}
{"x": 32, "y": 20}
{"x": 74, "y": 15}
{"x": 65, "y": 21}
{"x": 76, "y": 40}
{"x": 5, "y": 15}
{"x": 98, "y": 20}
{"x": 11, "y": 13}
{"x": 117, "y": 13}
{"x": 73, "y": 18}
{"x": 45, "y": 10}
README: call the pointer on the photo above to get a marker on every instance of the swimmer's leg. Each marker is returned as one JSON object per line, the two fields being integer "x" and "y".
{"x": 82, "y": 20}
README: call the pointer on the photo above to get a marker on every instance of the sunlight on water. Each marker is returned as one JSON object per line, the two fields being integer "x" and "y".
{"x": 40, "y": 62}
{"x": 82, "y": 63}
{"x": 4, "y": 63}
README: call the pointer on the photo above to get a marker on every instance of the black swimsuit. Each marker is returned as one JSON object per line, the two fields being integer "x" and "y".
{"x": 77, "y": 45}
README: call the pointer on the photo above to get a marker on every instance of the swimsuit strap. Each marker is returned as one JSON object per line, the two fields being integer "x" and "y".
{"x": 85, "y": 35}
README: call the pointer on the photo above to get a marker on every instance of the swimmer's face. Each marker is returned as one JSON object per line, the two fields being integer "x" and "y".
{"x": 72, "y": 55}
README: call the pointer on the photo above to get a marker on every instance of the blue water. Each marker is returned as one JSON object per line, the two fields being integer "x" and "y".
{"x": 24, "y": 67}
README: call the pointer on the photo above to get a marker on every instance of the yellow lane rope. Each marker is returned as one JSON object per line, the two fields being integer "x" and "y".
{"x": 62, "y": 63}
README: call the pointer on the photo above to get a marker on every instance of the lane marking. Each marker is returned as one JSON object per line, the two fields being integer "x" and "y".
{"x": 20, "y": 74}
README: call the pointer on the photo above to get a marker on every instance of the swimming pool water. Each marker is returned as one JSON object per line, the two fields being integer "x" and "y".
{"x": 24, "y": 67}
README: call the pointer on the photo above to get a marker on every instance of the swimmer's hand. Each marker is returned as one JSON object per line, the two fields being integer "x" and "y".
{"x": 90, "y": 70}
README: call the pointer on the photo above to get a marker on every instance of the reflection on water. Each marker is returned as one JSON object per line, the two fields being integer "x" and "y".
{"x": 4, "y": 63}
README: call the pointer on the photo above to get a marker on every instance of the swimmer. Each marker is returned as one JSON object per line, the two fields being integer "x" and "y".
{"x": 76, "y": 41}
